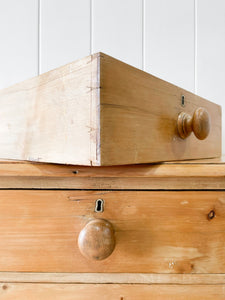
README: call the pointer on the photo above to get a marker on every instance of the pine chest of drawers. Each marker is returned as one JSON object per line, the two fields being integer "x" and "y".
{"x": 160, "y": 228}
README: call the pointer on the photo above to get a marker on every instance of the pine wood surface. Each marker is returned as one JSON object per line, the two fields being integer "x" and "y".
{"x": 110, "y": 278}
{"x": 204, "y": 174}
{"x": 52, "y": 117}
{"x": 156, "y": 232}
{"x": 100, "y": 111}
{"x": 139, "y": 114}
{"x": 109, "y": 292}
{"x": 39, "y": 231}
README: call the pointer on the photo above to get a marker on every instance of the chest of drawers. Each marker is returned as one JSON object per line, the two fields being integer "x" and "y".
{"x": 160, "y": 228}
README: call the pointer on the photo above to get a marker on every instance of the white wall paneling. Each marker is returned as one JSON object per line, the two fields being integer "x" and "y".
{"x": 117, "y": 29}
{"x": 181, "y": 41}
{"x": 211, "y": 52}
{"x": 19, "y": 41}
{"x": 169, "y": 41}
{"x": 64, "y": 32}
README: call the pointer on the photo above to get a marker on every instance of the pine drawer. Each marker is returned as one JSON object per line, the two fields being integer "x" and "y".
{"x": 155, "y": 231}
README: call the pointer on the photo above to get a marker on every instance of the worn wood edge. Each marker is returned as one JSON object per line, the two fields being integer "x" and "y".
{"x": 95, "y": 155}
{"x": 213, "y": 160}
{"x": 167, "y": 176}
{"x": 206, "y": 161}
{"x": 125, "y": 278}
{"x": 148, "y": 171}
{"x": 111, "y": 183}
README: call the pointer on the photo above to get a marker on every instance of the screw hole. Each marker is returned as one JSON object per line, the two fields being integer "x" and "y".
{"x": 99, "y": 205}
{"x": 75, "y": 172}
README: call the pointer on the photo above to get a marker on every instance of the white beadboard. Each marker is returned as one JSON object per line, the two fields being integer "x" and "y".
{"x": 162, "y": 37}
{"x": 117, "y": 29}
{"x": 169, "y": 41}
{"x": 64, "y": 32}
{"x": 211, "y": 52}
{"x": 19, "y": 41}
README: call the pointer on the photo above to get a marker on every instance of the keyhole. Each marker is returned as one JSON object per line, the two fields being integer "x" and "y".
{"x": 182, "y": 100}
{"x": 99, "y": 205}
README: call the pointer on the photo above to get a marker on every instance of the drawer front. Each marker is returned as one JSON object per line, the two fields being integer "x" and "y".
{"x": 155, "y": 232}
{"x": 110, "y": 292}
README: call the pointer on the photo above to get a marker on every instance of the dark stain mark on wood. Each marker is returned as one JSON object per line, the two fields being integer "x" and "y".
{"x": 211, "y": 214}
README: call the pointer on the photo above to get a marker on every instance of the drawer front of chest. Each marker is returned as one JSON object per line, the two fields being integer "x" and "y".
{"x": 143, "y": 231}
{"x": 110, "y": 292}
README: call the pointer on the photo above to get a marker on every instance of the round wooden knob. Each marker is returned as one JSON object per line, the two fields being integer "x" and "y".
{"x": 199, "y": 124}
{"x": 96, "y": 240}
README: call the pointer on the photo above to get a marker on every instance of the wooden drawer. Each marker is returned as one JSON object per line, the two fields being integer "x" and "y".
{"x": 155, "y": 231}
{"x": 110, "y": 292}
{"x": 99, "y": 111}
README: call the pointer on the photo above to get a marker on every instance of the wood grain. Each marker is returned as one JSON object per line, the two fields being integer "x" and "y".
{"x": 205, "y": 174}
{"x": 141, "y": 278}
{"x": 52, "y": 117}
{"x": 139, "y": 115}
{"x": 96, "y": 240}
{"x": 156, "y": 232}
{"x": 110, "y": 292}
{"x": 100, "y": 111}
{"x": 199, "y": 123}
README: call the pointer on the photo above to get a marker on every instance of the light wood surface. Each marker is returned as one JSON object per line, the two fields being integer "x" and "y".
{"x": 101, "y": 111}
{"x": 204, "y": 174}
{"x": 156, "y": 232}
{"x": 139, "y": 115}
{"x": 52, "y": 117}
{"x": 109, "y": 278}
{"x": 109, "y": 292}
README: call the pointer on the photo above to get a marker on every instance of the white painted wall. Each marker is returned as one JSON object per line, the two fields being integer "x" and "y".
{"x": 181, "y": 41}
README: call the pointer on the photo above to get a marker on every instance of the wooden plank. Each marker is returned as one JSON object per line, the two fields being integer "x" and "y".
{"x": 169, "y": 41}
{"x": 210, "y": 44}
{"x": 19, "y": 41}
{"x": 118, "y": 23}
{"x": 110, "y": 292}
{"x": 99, "y": 111}
{"x": 188, "y": 175}
{"x": 52, "y": 117}
{"x": 139, "y": 118}
{"x": 64, "y": 32}
{"x": 156, "y": 232}
{"x": 109, "y": 278}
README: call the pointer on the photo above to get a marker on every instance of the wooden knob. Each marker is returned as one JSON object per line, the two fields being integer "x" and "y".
{"x": 96, "y": 240}
{"x": 199, "y": 124}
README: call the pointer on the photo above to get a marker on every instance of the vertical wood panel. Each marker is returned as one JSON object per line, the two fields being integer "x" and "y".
{"x": 211, "y": 52}
{"x": 169, "y": 41}
{"x": 19, "y": 41}
{"x": 64, "y": 32}
{"x": 117, "y": 29}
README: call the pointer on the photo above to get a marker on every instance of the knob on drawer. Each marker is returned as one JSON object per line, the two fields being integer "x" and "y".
{"x": 96, "y": 240}
{"x": 199, "y": 124}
